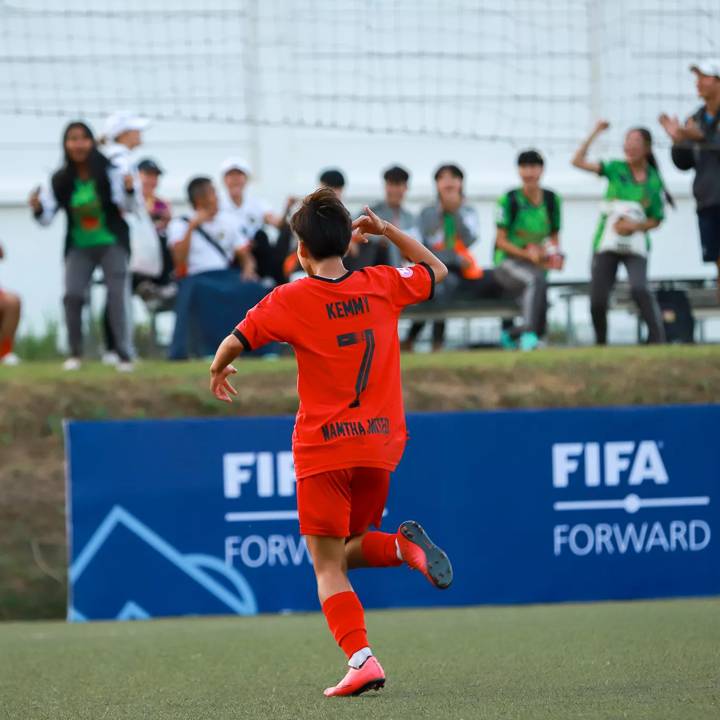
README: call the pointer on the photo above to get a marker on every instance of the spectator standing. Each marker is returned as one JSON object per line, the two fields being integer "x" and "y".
{"x": 160, "y": 288}
{"x": 449, "y": 227}
{"x": 391, "y": 209}
{"x": 94, "y": 194}
{"x": 207, "y": 245}
{"x": 526, "y": 246}
{"x": 121, "y": 136}
{"x": 10, "y": 307}
{"x": 696, "y": 145}
{"x": 633, "y": 206}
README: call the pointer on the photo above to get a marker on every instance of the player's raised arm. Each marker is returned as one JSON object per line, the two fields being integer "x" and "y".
{"x": 221, "y": 369}
{"x": 370, "y": 224}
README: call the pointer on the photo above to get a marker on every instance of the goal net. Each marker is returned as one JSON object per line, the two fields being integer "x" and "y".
{"x": 518, "y": 71}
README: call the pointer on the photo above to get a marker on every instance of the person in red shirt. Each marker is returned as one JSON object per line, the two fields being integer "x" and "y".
{"x": 10, "y": 306}
{"x": 350, "y": 430}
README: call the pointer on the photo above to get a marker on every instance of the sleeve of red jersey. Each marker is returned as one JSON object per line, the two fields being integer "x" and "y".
{"x": 268, "y": 321}
{"x": 410, "y": 285}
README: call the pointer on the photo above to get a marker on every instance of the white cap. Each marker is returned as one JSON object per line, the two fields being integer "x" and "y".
{"x": 707, "y": 67}
{"x": 235, "y": 163}
{"x": 122, "y": 121}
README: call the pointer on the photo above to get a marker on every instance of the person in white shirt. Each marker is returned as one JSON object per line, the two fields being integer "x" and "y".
{"x": 251, "y": 213}
{"x": 121, "y": 135}
{"x": 10, "y": 306}
{"x": 206, "y": 248}
{"x": 252, "y": 216}
{"x": 210, "y": 239}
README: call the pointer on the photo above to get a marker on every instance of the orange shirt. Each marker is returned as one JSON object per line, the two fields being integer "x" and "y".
{"x": 344, "y": 333}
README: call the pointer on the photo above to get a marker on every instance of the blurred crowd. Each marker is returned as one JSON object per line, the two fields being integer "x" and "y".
{"x": 231, "y": 248}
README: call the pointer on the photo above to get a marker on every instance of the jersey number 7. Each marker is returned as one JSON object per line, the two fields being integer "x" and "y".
{"x": 353, "y": 338}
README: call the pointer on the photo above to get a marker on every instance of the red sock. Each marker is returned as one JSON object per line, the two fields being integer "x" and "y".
{"x": 6, "y": 347}
{"x": 346, "y": 620}
{"x": 379, "y": 549}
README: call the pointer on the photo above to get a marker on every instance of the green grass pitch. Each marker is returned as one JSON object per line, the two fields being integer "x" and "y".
{"x": 645, "y": 660}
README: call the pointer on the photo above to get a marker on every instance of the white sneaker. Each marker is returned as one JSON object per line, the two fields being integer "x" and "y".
{"x": 125, "y": 366}
{"x": 72, "y": 364}
{"x": 110, "y": 358}
{"x": 11, "y": 360}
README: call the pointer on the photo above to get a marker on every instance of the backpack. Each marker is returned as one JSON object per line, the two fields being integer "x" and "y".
{"x": 677, "y": 315}
{"x": 549, "y": 200}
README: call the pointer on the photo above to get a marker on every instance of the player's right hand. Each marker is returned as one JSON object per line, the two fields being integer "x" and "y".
{"x": 220, "y": 385}
{"x": 368, "y": 224}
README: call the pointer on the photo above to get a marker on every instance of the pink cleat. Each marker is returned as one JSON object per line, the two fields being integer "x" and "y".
{"x": 420, "y": 553}
{"x": 370, "y": 676}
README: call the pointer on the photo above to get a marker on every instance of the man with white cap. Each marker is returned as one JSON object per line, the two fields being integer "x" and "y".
{"x": 696, "y": 144}
{"x": 251, "y": 215}
{"x": 122, "y": 133}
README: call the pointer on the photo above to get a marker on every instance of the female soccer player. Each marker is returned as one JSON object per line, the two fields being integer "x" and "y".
{"x": 350, "y": 431}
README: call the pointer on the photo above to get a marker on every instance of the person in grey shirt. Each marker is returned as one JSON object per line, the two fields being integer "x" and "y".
{"x": 391, "y": 209}
{"x": 449, "y": 227}
{"x": 697, "y": 145}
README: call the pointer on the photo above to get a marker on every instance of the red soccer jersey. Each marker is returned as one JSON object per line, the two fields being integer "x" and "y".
{"x": 344, "y": 333}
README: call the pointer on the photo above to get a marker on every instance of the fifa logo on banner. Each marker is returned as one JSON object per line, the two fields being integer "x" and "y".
{"x": 643, "y": 460}
{"x": 267, "y": 476}
{"x": 274, "y": 473}
{"x": 603, "y": 466}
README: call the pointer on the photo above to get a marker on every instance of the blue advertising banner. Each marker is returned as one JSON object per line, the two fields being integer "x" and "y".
{"x": 180, "y": 517}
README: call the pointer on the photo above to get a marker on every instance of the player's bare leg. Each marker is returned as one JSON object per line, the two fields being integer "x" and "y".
{"x": 345, "y": 617}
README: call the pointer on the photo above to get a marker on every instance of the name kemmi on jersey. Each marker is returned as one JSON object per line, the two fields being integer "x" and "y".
{"x": 348, "y": 308}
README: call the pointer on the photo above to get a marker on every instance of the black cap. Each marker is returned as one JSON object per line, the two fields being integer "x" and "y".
{"x": 396, "y": 174}
{"x": 530, "y": 157}
{"x": 453, "y": 169}
{"x": 150, "y": 166}
{"x": 332, "y": 178}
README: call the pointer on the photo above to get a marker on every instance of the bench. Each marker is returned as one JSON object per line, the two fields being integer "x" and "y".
{"x": 701, "y": 294}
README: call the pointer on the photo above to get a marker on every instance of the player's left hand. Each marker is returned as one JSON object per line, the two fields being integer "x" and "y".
{"x": 220, "y": 385}
{"x": 367, "y": 224}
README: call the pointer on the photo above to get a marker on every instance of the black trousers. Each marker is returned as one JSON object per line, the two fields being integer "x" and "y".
{"x": 604, "y": 271}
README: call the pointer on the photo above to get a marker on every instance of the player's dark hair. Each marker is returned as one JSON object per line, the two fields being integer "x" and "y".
{"x": 332, "y": 178}
{"x": 396, "y": 175}
{"x": 63, "y": 181}
{"x": 530, "y": 157}
{"x": 652, "y": 160}
{"x": 196, "y": 188}
{"x": 323, "y": 223}
{"x": 454, "y": 170}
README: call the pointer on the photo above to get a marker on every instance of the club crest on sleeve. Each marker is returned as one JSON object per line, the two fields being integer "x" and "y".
{"x": 405, "y": 272}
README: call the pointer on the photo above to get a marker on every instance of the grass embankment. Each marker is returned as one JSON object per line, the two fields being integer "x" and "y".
{"x": 35, "y": 398}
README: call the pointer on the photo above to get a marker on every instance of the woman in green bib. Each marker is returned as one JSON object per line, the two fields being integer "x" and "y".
{"x": 633, "y": 206}
{"x": 94, "y": 194}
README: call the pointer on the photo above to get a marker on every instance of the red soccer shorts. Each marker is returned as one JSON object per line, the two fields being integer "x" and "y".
{"x": 342, "y": 503}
